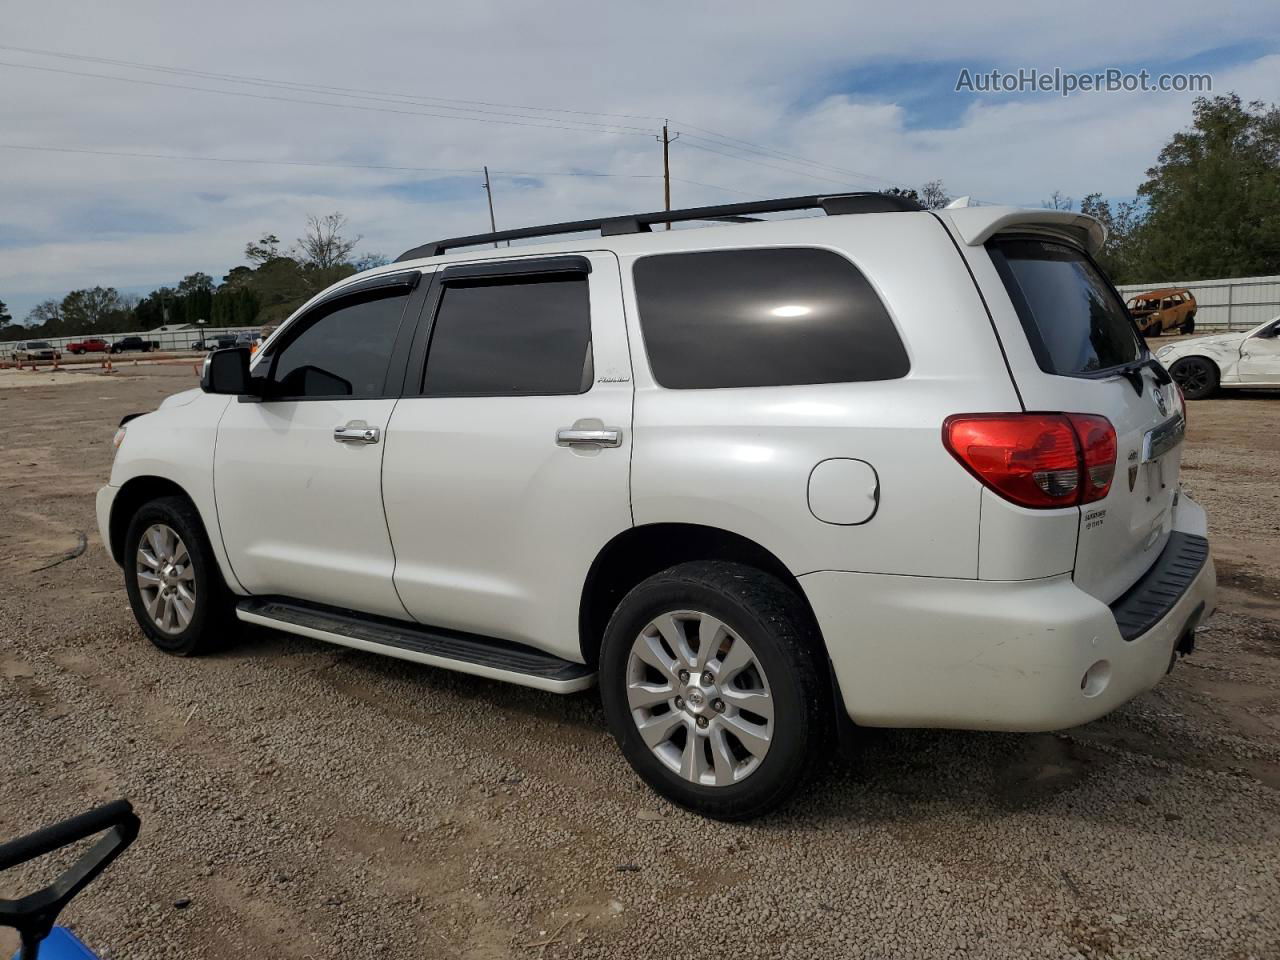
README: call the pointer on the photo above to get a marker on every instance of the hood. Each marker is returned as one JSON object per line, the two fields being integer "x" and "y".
{"x": 180, "y": 399}
{"x": 1217, "y": 340}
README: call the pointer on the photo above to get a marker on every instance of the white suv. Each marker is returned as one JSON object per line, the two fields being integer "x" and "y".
{"x": 766, "y": 481}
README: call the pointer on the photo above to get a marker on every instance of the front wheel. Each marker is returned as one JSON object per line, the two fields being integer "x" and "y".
{"x": 175, "y": 587}
{"x": 710, "y": 678}
{"x": 1197, "y": 376}
{"x": 1188, "y": 325}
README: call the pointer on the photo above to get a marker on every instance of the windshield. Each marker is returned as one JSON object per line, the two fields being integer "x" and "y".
{"x": 39, "y": 345}
{"x": 1074, "y": 320}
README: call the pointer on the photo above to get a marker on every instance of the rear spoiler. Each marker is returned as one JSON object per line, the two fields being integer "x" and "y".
{"x": 977, "y": 225}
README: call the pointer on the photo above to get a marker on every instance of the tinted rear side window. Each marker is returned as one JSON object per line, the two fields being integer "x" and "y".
{"x": 1073, "y": 318}
{"x": 511, "y": 338}
{"x": 762, "y": 318}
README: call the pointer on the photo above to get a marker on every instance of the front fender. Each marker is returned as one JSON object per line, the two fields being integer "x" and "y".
{"x": 176, "y": 443}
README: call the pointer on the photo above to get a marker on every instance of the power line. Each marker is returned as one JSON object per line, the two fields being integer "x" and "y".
{"x": 325, "y": 103}
{"x": 720, "y": 139}
{"x": 439, "y": 103}
{"x": 759, "y": 163}
{"x": 315, "y": 86}
{"x": 391, "y": 168}
{"x": 744, "y": 145}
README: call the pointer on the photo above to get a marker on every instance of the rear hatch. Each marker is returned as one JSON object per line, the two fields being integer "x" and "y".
{"x": 1090, "y": 359}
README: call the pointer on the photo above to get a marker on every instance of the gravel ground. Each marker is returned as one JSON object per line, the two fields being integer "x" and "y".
{"x": 313, "y": 802}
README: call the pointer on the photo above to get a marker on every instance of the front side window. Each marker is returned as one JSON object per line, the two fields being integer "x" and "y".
{"x": 511, "y": 337}
{"x": 342, "y": 350}
{"x": 1074, "y": 320}
{"x": 763, "y": 317}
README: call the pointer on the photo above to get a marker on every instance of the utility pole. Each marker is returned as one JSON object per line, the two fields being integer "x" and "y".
{"x": 667, "y": 140}
{"x": 488, "y": 188}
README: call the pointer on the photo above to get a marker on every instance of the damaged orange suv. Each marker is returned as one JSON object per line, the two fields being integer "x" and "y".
{"x": 1159, "y": 310}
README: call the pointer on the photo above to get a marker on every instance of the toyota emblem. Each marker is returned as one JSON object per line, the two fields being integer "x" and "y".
{"x": 1161, "y": 405}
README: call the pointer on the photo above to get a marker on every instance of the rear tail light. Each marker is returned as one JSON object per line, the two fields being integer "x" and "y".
{"x": 1040, "y": 460}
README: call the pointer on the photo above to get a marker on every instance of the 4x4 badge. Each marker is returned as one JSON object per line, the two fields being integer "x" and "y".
{"x": 1133, "y": 467}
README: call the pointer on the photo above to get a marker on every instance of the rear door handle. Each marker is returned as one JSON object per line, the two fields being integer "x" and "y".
{"x": 604, "y": 437}
{"x": 357, "y": 431}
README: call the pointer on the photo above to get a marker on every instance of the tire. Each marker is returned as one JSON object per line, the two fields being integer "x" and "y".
{"x": 211, "y": 619}
{"x": 781, "y": 652}
{"x": 1188, "y": 325}
{"x": 1196, "y": 376}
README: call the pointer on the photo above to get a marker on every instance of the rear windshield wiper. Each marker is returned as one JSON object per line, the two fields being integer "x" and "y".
{"x": 1132, "y": 371}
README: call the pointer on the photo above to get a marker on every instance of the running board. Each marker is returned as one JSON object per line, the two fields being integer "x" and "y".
{"x": 465, "y": 653}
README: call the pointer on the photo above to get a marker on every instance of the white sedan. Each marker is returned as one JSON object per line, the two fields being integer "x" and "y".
{"x": 1246, "y": 359}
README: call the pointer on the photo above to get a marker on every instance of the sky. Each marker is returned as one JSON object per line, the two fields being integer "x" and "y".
{"x": 563, "y": 101}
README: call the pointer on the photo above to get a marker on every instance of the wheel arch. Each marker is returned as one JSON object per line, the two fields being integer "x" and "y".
{"x": 133, "y": 494}
{"x": 639, "y": 552}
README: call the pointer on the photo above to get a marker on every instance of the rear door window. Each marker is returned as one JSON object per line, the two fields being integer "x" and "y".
{"x": 1074, "y": 320}
{"x": 511, "y": 337}
{"x": 763, "y": 317}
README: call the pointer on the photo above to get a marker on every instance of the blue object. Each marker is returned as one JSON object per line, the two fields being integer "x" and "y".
{"x": 62, "y": 944}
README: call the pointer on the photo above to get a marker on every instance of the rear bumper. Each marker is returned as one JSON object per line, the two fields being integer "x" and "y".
{"x": 996, "y": 655}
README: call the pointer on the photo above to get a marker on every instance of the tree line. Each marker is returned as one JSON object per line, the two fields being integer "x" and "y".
{"x": 1210, "y": 205}
{"x": 275, "y": 282}
{"x": 1209, "y": 208}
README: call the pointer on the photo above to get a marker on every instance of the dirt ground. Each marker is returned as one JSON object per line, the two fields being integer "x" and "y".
{"x": 313, "y": 802}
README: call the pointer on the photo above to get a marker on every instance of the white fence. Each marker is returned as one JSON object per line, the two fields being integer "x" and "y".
{"x": 168, "y": 340}
{"x": 1235, "y": 304}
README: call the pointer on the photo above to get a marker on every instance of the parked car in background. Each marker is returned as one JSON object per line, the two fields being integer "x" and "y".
{"x": 134, "y": 343}
{"x": 89, "y": 345}
{"x": 36, "y": 350}
{"x": 1203, "y": 365}
{"x": 1159, "y": 310}
{"x": 740, "y": 475}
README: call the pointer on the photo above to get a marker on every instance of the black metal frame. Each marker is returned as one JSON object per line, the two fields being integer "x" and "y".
{"x": 867, "y": 202}
{"x": 33, "y": 916}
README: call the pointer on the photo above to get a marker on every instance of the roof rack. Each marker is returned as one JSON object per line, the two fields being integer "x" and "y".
{"x": 642, "y": 222}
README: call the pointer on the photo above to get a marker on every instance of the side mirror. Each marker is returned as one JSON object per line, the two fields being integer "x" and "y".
{"x": 227, "y": 371}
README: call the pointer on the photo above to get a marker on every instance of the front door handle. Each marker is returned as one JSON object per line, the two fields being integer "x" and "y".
{"x": 357, "y": 431}
{"x": 602, "y": 437}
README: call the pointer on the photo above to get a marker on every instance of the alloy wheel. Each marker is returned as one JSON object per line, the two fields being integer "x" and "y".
{"x": 166, "y": 578}
{"x": 699, "y": 698}
{"x": 1191, "y": 377}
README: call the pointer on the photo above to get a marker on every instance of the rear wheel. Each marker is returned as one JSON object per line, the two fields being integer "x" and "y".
{"x": 711, "y": 684}
{"x": 174, "y": 584}
{"x": 1197, "y": 376}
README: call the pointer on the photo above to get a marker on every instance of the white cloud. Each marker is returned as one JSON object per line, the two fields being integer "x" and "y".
{"x": 69, "y": 220}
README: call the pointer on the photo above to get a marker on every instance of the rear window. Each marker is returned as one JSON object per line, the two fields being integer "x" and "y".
{"x": 1072, "y": 316}
{"x": 761, "y": 318}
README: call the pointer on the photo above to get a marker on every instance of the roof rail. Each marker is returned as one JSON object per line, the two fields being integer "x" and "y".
{"x": 641, "y": 222}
